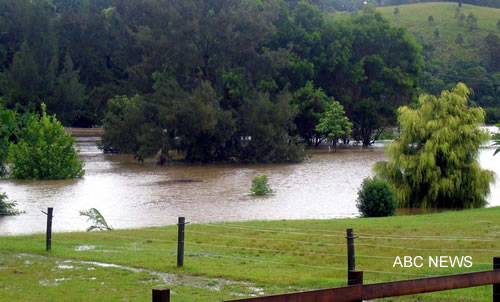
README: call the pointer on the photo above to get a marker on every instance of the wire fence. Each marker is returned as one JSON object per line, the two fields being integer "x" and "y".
{"x": 292, "y": 247}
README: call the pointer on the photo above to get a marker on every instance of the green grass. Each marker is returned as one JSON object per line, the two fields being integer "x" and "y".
{"x": 414, "y": 18}
{"x": 229, "y": 260}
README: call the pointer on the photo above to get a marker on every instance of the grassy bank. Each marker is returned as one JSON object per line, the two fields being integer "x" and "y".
{"x": 232, "y": 260}
{"x": 414, "y": 17}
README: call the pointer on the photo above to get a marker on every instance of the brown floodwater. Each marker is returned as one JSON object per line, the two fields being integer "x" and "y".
{"x": 130, "y": 194}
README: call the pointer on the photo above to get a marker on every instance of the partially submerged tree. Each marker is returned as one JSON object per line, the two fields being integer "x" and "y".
{"x": 435, "y": 162}
{"x": 334, "y": 124}
{"x": 260, "y": 186}
{"x": 44, "y": 150}
{"x": 7, "y": 208}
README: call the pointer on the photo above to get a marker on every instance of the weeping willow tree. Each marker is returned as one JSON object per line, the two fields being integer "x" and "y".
{"x": 435, "y": 162}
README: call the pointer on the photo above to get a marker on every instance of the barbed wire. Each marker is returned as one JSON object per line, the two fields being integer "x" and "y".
{"x": 268, "y": 239}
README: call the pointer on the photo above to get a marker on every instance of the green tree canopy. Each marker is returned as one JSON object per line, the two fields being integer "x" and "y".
{"x": 435, "y": 164}
{"x": 44, "y": 150}
{"x": 8, "y": 130}
{"x": 310, "y": 104}
{"x": 333, "y": 123}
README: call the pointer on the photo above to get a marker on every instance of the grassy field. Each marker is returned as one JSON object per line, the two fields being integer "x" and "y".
{"x": 414, "y": 17}
{"x": 231, "y": 260}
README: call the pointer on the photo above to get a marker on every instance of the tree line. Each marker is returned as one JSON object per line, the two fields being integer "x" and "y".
{"x": 489, "y": 3}
{"x": 216, "y": 80}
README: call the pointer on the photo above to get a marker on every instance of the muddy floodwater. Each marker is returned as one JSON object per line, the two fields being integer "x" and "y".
{"x": 130, "y": 195}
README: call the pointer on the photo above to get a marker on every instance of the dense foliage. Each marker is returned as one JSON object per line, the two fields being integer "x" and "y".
{"x": 467, "y": 51}
{"x": 490, "y": 3}
{"x": 7, "y": 208}
{"x": 214, "y": 80}
{"x": 8, "y": 130}
{"x": 44, "y": 150}
{"x": 434, "y": 164}
{"x": 376, "y": 198}
{"x": 260, "y": 185}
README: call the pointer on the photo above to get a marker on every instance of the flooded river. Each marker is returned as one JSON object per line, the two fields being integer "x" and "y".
{"x": 130, "y": 195}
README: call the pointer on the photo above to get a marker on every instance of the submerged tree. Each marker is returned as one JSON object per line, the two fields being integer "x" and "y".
{"x": 334, "y": 124}
{"x": 7, "y": 208}
{"x": 44, "y": 150}
{"x": 435, "y": 162}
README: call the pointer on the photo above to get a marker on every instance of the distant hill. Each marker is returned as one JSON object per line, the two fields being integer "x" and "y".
{"x": 415, "y": 18}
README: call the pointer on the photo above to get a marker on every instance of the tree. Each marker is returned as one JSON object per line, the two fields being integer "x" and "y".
{"x": 371, "y": 68}
{"x": 435, "y": 164}
{"x": 460, "y": 39}
{"x": 8, "y": 130}
{"x": 260, "y": 186}
{"x": 334, "y": 124}
{"x": 44, "y": 150}
{"x": 266, "y": 130}
{"x": 492, "y": 53}
{"x": 471, "y": 21}
{"x": 461, "y": 19}
{"x": 436, "y": 33}
{"x": 6, "y": 207}
{"x": 69, "y": 94}
{"x": 132, "y": 126}
{"x": 430, "y": 19}
{"x": 396, "y": 11}
{"x": 310, "y": 103}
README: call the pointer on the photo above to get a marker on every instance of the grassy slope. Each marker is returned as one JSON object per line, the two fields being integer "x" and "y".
{"x": 277, "y": 257}
{"x": 414, "y": 18}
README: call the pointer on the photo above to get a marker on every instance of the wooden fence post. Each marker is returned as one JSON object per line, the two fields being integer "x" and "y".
{"x": 49, "y": 229}
{"x": 161, "y": 295}
{"x": 351, "y": 259}
{"x": 496, "y": 287}
{"x": 180, "y": 241}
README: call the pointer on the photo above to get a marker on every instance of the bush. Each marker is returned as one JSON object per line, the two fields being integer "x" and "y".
{"x": 7, "y": 208}
{"x": 376, "y": 198}
{"x": 260, "y": 186}
{"x": 44, "y": 151}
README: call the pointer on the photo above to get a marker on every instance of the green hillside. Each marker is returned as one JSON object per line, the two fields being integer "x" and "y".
{"x": 415, "y": 18}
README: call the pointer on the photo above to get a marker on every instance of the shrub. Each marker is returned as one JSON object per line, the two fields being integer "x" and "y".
{"x": 44, "y": 150}
{"x": 260, "y": 185}
{"x": 7, "y": 208}
{"x": 376, "y": 198}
